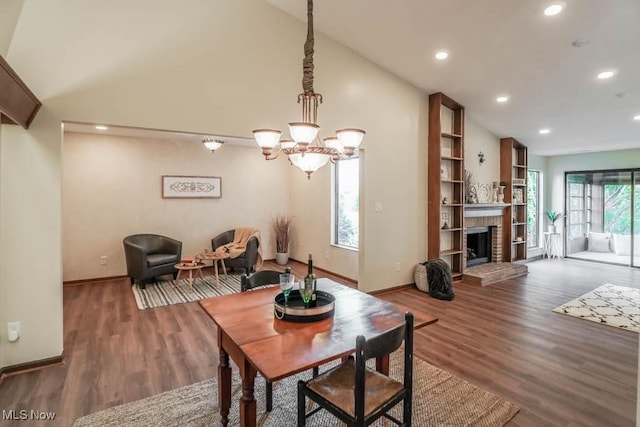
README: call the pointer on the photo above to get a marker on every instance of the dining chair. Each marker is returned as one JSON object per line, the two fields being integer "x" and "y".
{"x": 341, "y": 390}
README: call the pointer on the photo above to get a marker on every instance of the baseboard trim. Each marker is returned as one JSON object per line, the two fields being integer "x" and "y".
{"x": 394, "y": 289}
{"x": 97, "y": 279}
{"x": 22, "y": 368}
{"x": 345, "y": 278}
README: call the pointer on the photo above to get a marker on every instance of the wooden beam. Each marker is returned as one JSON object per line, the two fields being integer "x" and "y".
{"x": 18, "y": 104}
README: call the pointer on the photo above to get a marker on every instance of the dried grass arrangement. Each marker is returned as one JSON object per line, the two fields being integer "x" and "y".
{"x": 281, "y": 228}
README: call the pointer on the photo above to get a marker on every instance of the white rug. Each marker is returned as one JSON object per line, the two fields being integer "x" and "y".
{"x": 170, "y": 292}
{"x": 609, "y": 304}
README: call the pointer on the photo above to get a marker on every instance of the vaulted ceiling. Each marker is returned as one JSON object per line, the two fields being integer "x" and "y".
{"x": 511, "y": 48}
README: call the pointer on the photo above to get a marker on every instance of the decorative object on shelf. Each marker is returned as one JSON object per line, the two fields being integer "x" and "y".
{"x": 444, "y": 201}
{"x": 518, "y": 195}
{"x": 553, "y": 217}
{"x": 444, "y": 170}
{"x": 494, "y": 192}
{"x": 306, "y": 151}
{"x": 191, "y": 187}
{"x": 483, "y": 192}
{"x": 469, "y": 191}
{"x": 481, "y": 158}
{"x": 212, "y": 144}
{"x": 281, "y": 228}
{"x": 445, "y": 220}
{"x": 501, "y": 188}
{"x": 517, "y": 181}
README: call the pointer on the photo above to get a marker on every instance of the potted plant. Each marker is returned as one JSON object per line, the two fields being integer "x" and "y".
{"x": 553, "y": 217}
{"x": 281, "y": 228}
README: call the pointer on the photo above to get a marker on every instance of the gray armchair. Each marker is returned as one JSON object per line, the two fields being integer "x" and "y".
{"x": 246, "y": 260}
{"x": 151, "y": 255}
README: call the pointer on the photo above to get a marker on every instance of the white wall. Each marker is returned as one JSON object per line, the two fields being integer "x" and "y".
{"x": 9, "y": 13}
{"x": 112, "y": 188}
{"x": 208, "y": 67}
{"x": 478, "y": 139}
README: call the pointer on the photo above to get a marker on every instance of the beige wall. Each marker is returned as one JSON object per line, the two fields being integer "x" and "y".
{"x": 209, "y": 67}
{"x": 9, "y": 14}
{"x": 112, "y": 188}
{"x": 476, "y": 139}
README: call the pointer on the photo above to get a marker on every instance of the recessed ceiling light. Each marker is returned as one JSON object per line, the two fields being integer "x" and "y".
{"x": 621, "y": 95}
{"x": 442, "y": 55}
{"x": 636, "y": 117}
{"x": 100, "y": 127}
{"x": 544, "y": 131}
{"x": 605, "y": 75}
{"x": 553, "y": 9}
{"x": 502, "y": 99}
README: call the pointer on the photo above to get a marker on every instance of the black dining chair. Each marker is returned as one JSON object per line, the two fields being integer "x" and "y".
{"x": 341, "y": 390}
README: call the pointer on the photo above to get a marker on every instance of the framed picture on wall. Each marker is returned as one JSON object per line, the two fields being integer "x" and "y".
{"x": 191, "y": 187}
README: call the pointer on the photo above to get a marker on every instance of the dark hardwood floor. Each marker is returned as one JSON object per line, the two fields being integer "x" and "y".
{"x": 560, "y": 370}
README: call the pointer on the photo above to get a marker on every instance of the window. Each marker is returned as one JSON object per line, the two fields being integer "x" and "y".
{"x": 347, "y": 197}
{"x": 578, "y": 209}
{"x": 533, "y": 209}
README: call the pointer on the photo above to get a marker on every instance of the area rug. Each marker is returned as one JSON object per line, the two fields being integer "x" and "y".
{"x": 609, "y": 304}
{"x": 439, "y": 399}
{"x": 170, "y": 292}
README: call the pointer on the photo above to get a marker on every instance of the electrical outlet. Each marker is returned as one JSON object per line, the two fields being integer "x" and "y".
{"x": 397, "y": 266}
{"x": 13, "y": 331}
{"x": 103, "y": 260}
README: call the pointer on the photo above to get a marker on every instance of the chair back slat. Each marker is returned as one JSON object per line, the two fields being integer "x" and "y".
{"x": 259, "y": 278}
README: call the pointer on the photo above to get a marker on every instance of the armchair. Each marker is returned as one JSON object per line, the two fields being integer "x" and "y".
{"x": 151, "y": 255}
{"x": 246, "y": 260}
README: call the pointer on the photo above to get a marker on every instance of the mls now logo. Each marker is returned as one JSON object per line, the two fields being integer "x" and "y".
{"x": 23, "y": 414}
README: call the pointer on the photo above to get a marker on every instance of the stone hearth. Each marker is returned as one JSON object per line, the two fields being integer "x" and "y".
{"x": 489, "y": 215}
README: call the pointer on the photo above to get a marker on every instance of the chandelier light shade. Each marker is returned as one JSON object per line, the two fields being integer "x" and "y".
{"x": 212, "y": 144}
{"x": 305, "y": 149}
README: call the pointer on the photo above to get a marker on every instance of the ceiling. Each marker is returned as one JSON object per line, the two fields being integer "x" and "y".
{"x": 506, "y": 47}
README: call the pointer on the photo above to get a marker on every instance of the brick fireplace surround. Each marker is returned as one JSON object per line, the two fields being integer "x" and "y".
{"x": 494, "y": 222}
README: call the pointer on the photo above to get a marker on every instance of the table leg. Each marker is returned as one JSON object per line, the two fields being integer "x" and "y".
{"x": 248, "y": 401}
{"x": 190, "y": 280}
{"x": 178, "y": 277}
{"x": 224, "y": 386}
{"x": 224, "y": 268}
{"x": 215, "y": 271}
{"x": 382, "y": 364}
{"x": 201, "y": 275}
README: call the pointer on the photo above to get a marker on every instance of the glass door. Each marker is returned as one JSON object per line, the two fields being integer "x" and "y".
{"x": 636, "y": 219}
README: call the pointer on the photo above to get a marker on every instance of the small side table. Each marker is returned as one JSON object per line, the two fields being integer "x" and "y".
{"x": 551, "y": 245}
{"x": 190, "y": 268}
{"x": 215, "y": 257}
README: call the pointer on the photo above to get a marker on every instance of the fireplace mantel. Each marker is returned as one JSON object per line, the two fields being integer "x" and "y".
{"x": 476, "y": 210}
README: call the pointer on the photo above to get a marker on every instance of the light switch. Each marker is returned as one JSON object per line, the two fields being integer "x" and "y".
{"x": 377, "y": 207}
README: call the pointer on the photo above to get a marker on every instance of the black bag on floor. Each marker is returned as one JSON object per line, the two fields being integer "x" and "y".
{"x": 439, "y": 278}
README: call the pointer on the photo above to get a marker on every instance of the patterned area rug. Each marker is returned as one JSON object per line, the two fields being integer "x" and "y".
{"x": 176, "y": 292}
{"x": 609, "y": 304}
{"x": 439, "y": 399}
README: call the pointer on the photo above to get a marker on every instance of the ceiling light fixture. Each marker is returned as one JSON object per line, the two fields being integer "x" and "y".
{"x": 553, "y": 9}
{"x": 212, "y": 144}
{"x": 101, "y": 127}
{"x": 544, "y": 131}
{"x": 306, "y": 151}
{"x": 605, "y": 75}
{"x": 442, "y": 55}
{"x": 636, "y": 117}
{"x": 502, "y": 99}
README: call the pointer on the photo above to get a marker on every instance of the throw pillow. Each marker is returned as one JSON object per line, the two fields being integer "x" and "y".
{"x": 622, "y": 243}
{"x": 599, "y": 242}
{"x": 599, "y": 245}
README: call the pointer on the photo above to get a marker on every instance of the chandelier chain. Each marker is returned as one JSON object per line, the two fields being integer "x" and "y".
{"x": 307, "y": 62}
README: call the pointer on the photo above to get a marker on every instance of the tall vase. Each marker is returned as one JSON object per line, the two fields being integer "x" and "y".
{"x": 282, "y": 258}
{"x": 501, "y": 194}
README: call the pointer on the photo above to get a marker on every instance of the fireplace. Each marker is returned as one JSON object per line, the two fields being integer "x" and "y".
{"x": 479, "y": 245}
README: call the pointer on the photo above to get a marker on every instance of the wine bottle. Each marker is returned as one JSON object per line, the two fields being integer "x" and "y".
{"x": 312, "y": 278}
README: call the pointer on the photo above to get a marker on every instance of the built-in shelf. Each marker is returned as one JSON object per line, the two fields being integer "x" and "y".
{"x": 446, "y": 180}
{"x": 513, "y": 166}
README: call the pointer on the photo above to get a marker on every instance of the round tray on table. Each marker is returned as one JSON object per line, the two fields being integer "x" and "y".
{"x": 295, "y": 310}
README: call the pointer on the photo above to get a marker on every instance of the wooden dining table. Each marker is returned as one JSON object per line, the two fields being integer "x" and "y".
{"x": 249, "y": 333}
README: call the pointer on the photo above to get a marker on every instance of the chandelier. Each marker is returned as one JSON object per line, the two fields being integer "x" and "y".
{"x": 304, "y": 149}
{"x": 212, "y": 144}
